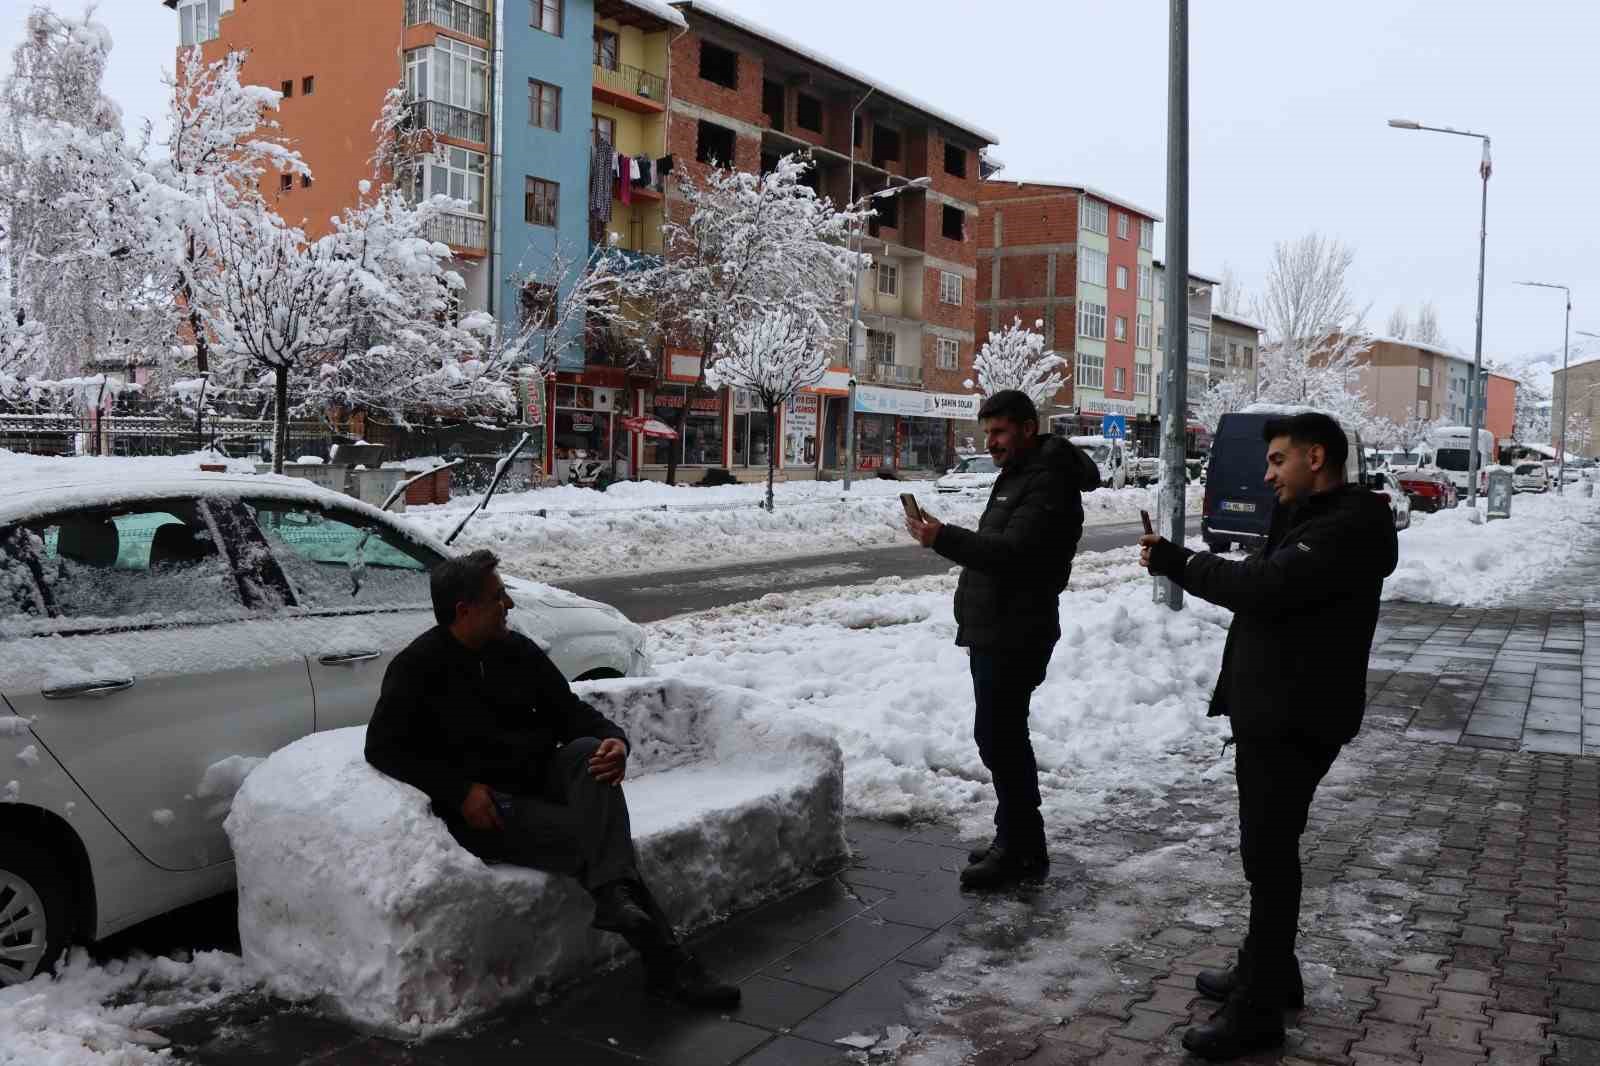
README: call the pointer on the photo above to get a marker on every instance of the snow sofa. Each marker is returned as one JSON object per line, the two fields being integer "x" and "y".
{"x": 354, "y": 896}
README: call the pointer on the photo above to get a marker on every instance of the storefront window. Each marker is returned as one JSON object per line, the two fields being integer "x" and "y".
{"x": 702, "y": 433}
{"x": 875, "y": 441}
{"x": 923, "y": 445}
{"x": 800, "y": 430}
{"x": 752, "y": 438}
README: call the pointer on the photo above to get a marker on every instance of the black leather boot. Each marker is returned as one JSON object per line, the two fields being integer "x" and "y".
{"x": 1219, "y": 984}
{"x": 979, "y": 854}
{"x": 1002, "y": 869}
{"x": 1240, "y": 1026}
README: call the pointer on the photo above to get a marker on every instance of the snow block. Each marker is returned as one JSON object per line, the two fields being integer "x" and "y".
{"x": 354, "y": 896}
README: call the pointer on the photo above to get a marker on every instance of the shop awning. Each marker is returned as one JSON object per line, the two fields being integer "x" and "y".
{"x": 649, "y": 427}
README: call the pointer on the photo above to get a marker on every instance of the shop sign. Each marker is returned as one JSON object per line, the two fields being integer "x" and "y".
{"x": 1099, "y": 406}
{"x": 708, "y": 404}
{"x": 907, "y": 403}
{"x": 530, "y": 394}
{"x": 683, "y": 365}
{"x": 962, "y": 407}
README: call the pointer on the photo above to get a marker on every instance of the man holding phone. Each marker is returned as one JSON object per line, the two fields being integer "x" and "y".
{"x": 1014, "y": 568}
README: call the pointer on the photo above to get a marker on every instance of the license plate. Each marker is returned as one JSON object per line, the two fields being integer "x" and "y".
{"x": 1238, "y": 508}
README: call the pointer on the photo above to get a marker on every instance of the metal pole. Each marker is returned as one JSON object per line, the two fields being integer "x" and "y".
{"x": 1566, "y": 415}
{"x": 855, "y": 310}
{"x": 1174, "y": 472}
{"x": 1474, "y": 394}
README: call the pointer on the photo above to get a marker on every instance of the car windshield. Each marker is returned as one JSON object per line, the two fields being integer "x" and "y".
{"x": 1530, "y": 468}
{"x": 1452, "y": 458}
{"x": 977, "y": 464}
{"x": 1404, "y": 458}
{"x": 1101, "y": 453}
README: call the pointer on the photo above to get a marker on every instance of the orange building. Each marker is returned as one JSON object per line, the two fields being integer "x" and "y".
{"x": 1500, "y": 410}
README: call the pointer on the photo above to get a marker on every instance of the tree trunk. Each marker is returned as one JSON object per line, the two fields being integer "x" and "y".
{"x": 772, "y": 451}
{"x": 280, "y": 427}
{"x": 679, "y": 424}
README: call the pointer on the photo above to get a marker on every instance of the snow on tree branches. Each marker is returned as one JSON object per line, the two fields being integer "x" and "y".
{"x": 1224, "y": 397}
{"x": 1015, "y": 358}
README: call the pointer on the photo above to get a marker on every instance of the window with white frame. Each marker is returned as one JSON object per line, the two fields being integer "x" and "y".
{"x": 1094, "y": 215}
{"x": 1120, "y": 329}
{"x": 1425, "y": 378}
{"x": 1147, "y": 234}
{"x": 880, "y": 346}
{"x": 1092, "y": 320}
{"x": 1422, "y": 408}
{"x": 1142, "y": 336}
{"x": 1161, "y": 338}
{"x": 949, "y": 354}
{"x": 949, "y": 288}
{"x": 888, "y": 279}
{"x": 1120, "y": 378}
{"x": 1122, "y": 278}
{"x": 1199, "y": 346}
{"x": 198, "y": 20}
{"x": 1092, "y": 266}
{"x": 1141, "y": 379}
{"x": 1091, "y": 371}
{"x": 1122, "y": 225}
{"x": 451, "y": 72}
{"x": 1146, "y": 282}
{"x": 454, "y": 172}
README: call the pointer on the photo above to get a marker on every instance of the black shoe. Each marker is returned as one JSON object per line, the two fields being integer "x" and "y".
{"x": 616, "y": 910}
{"x": 1220, "y": 984}
{"x": 1001, "y": 869}
{"x": 1239, "y": 1027}
{"x": 684, "y": 980}
{"x": 979, "y": 854}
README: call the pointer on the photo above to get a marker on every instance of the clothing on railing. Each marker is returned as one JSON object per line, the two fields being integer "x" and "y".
{"x": 602, "y": 176}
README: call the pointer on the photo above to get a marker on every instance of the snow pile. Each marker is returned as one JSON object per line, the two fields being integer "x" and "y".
{"x": 1449, "y": 558}
{"x": 22, "y": 471}
{"x": 645, "y": 525}
{"x": 88, "y": 1015}
{"x": 1120, "y": 716}
{"x": 353, "y": 894}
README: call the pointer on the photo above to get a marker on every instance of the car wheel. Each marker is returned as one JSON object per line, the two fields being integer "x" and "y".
{"x": 35, "y": 904}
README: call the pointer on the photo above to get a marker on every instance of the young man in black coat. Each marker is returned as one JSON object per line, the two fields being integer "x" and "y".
{"x": 476, "y": 716}
{"x": 1014, "y": 568}
{"x": 1293, "y": 684}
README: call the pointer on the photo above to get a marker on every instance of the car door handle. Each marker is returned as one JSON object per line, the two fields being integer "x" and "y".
{"x": 348, "y": 658}
{"x": 87, "y": 688}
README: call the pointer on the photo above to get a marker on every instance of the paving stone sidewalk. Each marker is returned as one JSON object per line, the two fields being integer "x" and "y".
{"x": 1452, "y": 916}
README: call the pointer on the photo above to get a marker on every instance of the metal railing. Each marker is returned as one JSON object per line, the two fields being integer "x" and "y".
{"x": 451, "y": 14}
{"x": 626, "y": 79}
{"x": 894, "y": 374}
{"x": 447, "y": 120}
{"x": 460, "y": 231}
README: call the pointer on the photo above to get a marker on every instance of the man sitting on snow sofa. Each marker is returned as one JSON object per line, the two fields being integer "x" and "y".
{"x": 520, "y": 769}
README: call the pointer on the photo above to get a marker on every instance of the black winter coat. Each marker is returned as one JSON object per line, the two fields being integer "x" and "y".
{"x": 449, "y": 717}
{"x": 1017, "y": 563}
{"x": 1305, "y": 610}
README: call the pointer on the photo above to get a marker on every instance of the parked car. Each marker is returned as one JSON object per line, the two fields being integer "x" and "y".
{"x": 159, "y": 638}
{"x": 1384, "y": 483}
{"x": 1429, "y": 490}
{"x": 1530, "y": 477}
{"x": 975, "y": 473}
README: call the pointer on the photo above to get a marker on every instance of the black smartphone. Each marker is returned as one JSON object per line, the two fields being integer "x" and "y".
{"x": 909, "y": 502}
{"x": 1144, "y": 516}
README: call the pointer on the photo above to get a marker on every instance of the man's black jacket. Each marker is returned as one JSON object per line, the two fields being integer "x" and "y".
{"x": 1304, "y": 612}
{"x": 449, "y": 717}
{"x": 1018, "y": 561}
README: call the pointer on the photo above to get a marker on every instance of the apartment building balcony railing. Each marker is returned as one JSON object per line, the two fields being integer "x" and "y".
{"x": 447, "y": 120}
{"x": 627, "y": 86}
{"x": 893, "y": 374}
{"x": 451, "y": 14}
{"x": 460, "y": 231}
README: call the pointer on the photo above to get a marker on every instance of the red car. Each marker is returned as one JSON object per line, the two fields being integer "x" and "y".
{"x": 1429, "y": 490}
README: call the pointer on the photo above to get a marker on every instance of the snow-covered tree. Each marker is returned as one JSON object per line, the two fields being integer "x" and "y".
{"x": 772, "y": 356}
{"x": 742, "y": 247}
{"x": 1230, "y": 298}
{"x": 1015, "y": 358}
{"x": 1579, "y": 435}
{"x": 1426, "y": 330}
{"x": 1531, "y": 420}
{"x": 1399, "y": 326}
{"x": 563, "y": 304}
{"x": 1315, "y": 334}
{"x": 1225, "y": 396}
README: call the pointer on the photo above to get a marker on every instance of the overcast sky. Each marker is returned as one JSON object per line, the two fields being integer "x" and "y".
{"x": 1288, "y": 134}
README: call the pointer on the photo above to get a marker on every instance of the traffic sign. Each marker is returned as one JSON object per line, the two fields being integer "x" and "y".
{"x": 1114, "y": 427}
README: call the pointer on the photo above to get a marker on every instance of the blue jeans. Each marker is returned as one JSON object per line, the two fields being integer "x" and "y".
{"x": 1003, "y": 680}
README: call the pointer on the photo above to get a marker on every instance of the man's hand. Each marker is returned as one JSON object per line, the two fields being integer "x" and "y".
{"x": 924, "y": 530}
{"x": 1146, "y": 543}
{"x": 479, "y": 809}
{"x": 609, "y": 763}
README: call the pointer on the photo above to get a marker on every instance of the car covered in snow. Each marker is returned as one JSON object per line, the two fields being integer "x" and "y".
{"x": 159, "y": 638}
{"x": 1530, "y": 477}
{"x": 1385, "y": 484}
{"x": 1429, "y": 490}
{"x": 975, "y": 473}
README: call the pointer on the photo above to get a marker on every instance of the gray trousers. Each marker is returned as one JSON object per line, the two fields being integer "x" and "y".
{"x": 575, "y": 825}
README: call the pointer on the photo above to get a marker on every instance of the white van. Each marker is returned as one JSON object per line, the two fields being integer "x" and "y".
{"x": 1452, "y": 455}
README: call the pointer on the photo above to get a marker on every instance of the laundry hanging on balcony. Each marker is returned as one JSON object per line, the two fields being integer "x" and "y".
{"x": 602, "y": 178}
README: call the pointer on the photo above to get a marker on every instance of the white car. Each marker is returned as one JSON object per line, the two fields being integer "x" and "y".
{"x": 158, "y": 639}
{"x": 1385, "y": 484}
{"x": 975, "y": 473}
{"x": 1530, "y": 477}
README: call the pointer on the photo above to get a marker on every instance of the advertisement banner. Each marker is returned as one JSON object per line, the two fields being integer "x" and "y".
{"x": 800, "y": 430}
{"x": 871, "y": 400}
{"x": 530, "y": 388}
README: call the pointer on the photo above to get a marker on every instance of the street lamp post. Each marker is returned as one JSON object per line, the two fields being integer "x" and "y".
{"x": 1566, "y": 338}
{"x": 1484, "y": 169}
{"x": 855, "y": 309}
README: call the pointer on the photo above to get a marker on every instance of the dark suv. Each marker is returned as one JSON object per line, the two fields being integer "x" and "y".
{"x": 1239, "y": 505}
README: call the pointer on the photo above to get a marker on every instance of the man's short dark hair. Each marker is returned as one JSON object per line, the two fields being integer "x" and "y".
{"x": 1009, "y": 403}
{"x": 1308, "y": 428}
{"x": 459, "y": 580}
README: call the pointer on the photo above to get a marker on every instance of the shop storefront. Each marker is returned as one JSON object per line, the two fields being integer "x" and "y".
{"x": 752, "y": 431}
{"x": 702, "y": 432}
{"x": 904, "y": 429}
{"x": 583, "y": 428}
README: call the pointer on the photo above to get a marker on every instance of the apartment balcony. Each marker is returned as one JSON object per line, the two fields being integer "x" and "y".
{"x": 630, "y": 88}
{"x": 464, "y": 234}
{"x": 449, "y": 14}
{"x": 892, "y": 374}
{"x": 447, "y": 120}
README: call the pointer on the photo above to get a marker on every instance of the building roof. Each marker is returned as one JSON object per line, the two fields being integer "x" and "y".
{"x": 1098, "y": 194}
{"x": 1194, "y": 275}
{"x": 722, "y": 14}
{"x": 1420, "y": 346}
{"x": 658, "y": 9}
{"x": 1240, "y": 319}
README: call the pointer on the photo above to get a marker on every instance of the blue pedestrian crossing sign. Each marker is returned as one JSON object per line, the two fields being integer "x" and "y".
{"x": 1114, "y": 427}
